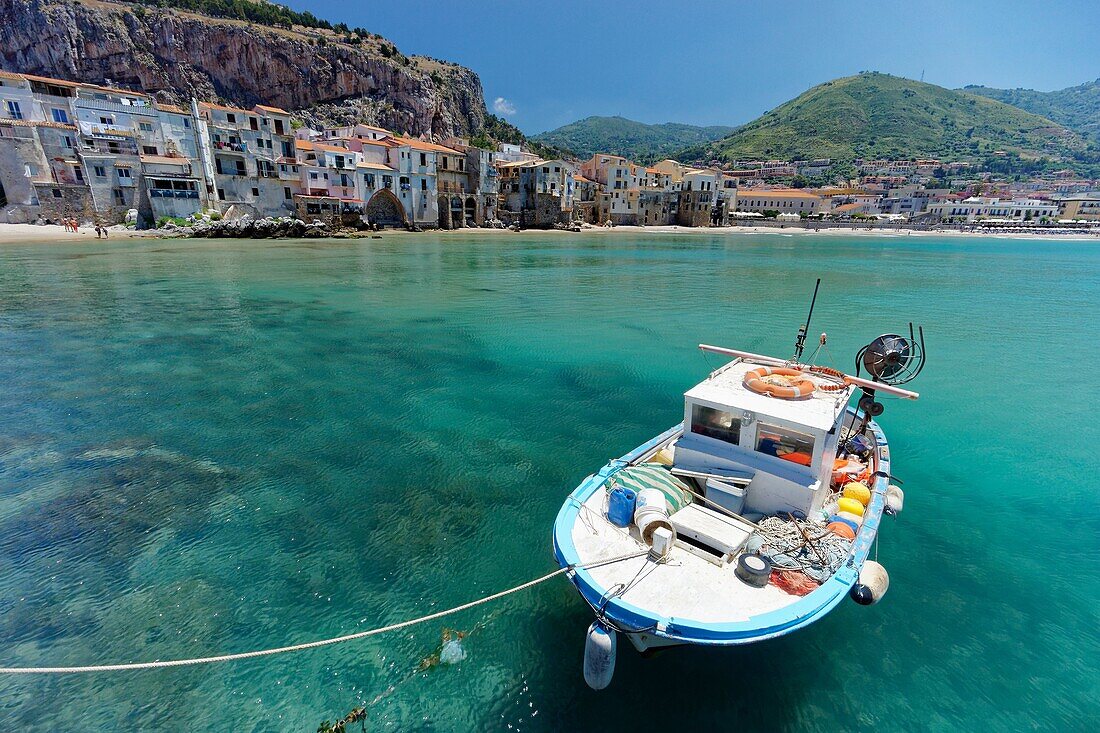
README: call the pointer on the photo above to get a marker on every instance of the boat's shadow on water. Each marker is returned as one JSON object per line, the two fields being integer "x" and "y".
{"x": 765, "y": 686}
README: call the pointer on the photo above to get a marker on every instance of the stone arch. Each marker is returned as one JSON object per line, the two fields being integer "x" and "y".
{"x": 385, "y": 209}
{"x": 470, "y": 212}
{"x": 444, "y": 212}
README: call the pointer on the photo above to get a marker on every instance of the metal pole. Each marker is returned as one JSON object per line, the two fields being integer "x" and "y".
{"x": 858, "y": 381}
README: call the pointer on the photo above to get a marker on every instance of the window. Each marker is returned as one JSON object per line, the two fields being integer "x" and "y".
{"x": 187, "y": 123}
{"x": 716, "y": 424}
{"x": 30, "y": 169}
{"x": 60, "y": 115}
{"x": 100, "y": 171}
{"x": 124, "y": 175}
{"x": 313, "y": 175}
{"x": 149, "y": 149}
{"x": 106, "y": 120}
{"x": 423, "y": 184}
{"x": 67, "y": 142}
{"x": 221, "y": 194}
{"x": 145, "y": 126}
{"x": 13, "y": 111}
{"x": 57, "y": 193}
{"x": 424, "y": 160}
{"x": 286, "y": 193}
{"x": 255, "y": 191}
{"x": 230, "y": 117}
{"x": 368, "y": 179}
{"x": 785, "y": 443}
{"x": 253, "y": 124}
{"x": 79, "y": 173}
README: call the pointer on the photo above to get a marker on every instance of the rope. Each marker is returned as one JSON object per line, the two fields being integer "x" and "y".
{"x": 159, "y": 664}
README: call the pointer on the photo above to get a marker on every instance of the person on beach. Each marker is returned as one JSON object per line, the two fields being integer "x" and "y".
{"x": 75, "y": 225}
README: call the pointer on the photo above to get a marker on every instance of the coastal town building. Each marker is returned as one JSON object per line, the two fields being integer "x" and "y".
{"x": 1084, "y": 207}
{"x": 978, "y": 207}
{"x": 779, "y": 200}
{"x": 537, "y": 193}
{"x": 104, "y": 154}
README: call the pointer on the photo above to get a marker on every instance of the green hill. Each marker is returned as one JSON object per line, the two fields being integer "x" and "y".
{"x": 875, "y": 115}
{"x": 1078, "y": 108}
{"x": 635, "y": 140}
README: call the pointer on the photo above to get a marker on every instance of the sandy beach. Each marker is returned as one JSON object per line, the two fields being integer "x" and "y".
{"x": 50, "y": 233}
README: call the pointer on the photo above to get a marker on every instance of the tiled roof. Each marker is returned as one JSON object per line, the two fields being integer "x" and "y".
{"x": 422, "y": 145}
{"x": 38, "y": 123}
{"x": 165, "y": 159}
{"x": 778, "y": 192}
{"x": 331, "y": 148}
{"x": 172, "y": 108}
{"x": 223, "y": 108}
{"x": 276, "y": 110}
{"x": 376, "y": 166}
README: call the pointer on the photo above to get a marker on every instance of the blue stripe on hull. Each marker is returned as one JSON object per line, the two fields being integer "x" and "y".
{"x": 686, "y": 631}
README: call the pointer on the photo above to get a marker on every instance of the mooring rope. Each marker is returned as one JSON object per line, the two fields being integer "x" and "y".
{"x": 313, "y": 644}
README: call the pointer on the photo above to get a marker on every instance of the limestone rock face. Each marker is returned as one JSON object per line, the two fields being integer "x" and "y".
{"x": 174, "y": 55}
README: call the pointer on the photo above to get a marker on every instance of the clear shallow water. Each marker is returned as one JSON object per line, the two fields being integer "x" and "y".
{"x": 224, "y": 446}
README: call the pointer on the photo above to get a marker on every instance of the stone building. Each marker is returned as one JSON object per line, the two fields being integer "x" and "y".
{"x": 244, "y": 148}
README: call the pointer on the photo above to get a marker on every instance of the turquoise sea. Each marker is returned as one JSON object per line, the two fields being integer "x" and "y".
{"x": 211, "y": 447}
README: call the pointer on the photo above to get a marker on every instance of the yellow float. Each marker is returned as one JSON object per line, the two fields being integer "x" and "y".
{"x": 847, "y": 504}
{"x": 858, "y": 491}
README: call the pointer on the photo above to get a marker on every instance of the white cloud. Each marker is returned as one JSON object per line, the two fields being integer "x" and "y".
{"x": 503, "y": 107}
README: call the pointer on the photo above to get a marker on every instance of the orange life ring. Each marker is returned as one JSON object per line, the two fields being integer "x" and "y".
{"x": 787, "y": 388}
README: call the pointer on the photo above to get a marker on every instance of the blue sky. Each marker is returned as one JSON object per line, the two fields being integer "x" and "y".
{"x": 711, "y": 62}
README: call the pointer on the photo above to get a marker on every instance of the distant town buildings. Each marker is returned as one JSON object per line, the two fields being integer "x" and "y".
{"x": 103, "y": 154}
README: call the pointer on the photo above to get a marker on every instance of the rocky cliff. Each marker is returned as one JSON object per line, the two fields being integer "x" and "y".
{"x": 175, "y": 54}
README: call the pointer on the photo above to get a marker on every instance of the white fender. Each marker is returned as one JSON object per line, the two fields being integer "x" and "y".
{"x": 872, "y": 584}
{"x": 895, "y": 500}
{"x": 599, "y": 655}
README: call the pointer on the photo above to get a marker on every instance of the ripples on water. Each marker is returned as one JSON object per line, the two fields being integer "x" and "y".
{"x": 215, "y": 447}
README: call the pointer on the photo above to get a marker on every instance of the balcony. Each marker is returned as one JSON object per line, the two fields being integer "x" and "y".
{"x": 106, "y": 105}
{"x": 230, "y": 147}
{"x": 170, "y": 194}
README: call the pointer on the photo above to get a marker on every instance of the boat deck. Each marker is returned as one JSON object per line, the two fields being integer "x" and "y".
{"x": 683, "y": 586}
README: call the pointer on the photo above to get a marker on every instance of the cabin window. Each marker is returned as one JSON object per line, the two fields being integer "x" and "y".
{"x": 716, "y": 424}
{"x": 785, "y": 443}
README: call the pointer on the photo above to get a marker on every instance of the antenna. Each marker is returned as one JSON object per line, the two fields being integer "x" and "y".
{"x": 800, "y": 340}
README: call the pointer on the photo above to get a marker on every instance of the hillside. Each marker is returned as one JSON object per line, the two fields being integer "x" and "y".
{"x": 253, "y": 53}
{"x": 875, "y": 115}
{"x": 1078, "y": 108}
{"x": 635, "y": 140}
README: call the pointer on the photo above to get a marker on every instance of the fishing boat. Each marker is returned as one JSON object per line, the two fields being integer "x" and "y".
{"x": 752, "y": 518}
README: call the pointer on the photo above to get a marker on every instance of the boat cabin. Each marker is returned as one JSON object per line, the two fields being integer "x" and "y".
{"x": 755, "y": 454}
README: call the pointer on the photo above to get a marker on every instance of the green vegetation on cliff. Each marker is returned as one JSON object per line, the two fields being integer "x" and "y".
{"x": 875, "y": 115}
{"x": 264, "y": 13}
{"x": 635, "y": 140}
{"x": 1078, "y": 108}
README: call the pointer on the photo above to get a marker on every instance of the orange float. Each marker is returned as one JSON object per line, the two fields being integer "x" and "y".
{"x": 786, "y": 384}
{"x": 840, "y": 529}
{"x": 842, "y": 384}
